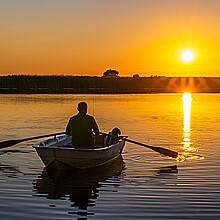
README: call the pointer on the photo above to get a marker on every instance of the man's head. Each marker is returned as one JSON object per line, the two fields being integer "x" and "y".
{"x": 82, "y": 107}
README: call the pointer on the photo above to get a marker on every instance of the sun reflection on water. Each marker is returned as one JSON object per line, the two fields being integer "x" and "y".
{"x": 187, "y": 145}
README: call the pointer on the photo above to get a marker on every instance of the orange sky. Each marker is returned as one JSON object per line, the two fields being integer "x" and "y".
{"x": 87, "y": 37}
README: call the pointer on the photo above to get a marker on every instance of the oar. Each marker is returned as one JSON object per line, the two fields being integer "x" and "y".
{"x": 160, "y": 150}
{"x": 10, "y": 143}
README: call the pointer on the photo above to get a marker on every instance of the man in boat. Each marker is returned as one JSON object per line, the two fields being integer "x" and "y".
{"x": 82, "y": 127}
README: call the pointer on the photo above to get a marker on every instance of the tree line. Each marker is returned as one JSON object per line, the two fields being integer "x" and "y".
{"x": 29, "y": 84}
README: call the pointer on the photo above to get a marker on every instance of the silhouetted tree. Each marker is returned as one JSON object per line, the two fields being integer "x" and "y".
{"x": 136, "y": 76}
{"x": 111, "y": 73}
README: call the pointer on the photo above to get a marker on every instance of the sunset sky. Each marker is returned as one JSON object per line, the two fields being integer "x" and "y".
{"x": 87, "y": 37}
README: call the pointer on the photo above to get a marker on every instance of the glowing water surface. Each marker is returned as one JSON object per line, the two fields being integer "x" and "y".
{"x": 188, "y": 146}
{"x": 140, "y": 185}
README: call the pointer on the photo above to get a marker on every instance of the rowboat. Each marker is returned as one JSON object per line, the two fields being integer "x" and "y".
{"x": 58, "y": 153}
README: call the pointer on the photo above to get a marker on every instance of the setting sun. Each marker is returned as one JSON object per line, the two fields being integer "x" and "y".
{"x": 187, "y": 56}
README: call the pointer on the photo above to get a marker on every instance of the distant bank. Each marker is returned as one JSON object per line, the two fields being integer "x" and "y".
{"x": 27, "y": 84}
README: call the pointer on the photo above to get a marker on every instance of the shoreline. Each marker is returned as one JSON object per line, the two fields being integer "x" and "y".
{"x": 26, "y": 84}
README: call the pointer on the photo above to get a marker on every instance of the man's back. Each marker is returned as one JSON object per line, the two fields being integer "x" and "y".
{"x": 80, "y": 127}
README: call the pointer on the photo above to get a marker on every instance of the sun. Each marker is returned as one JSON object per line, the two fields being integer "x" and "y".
{"x": 187, "y": 56}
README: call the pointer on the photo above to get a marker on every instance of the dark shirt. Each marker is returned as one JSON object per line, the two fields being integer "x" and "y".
{"x": 81, "y": 127}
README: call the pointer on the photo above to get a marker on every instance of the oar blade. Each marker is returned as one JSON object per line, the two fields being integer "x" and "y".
{"x": 165, "y": 151}
{"x": 9, "y": 143}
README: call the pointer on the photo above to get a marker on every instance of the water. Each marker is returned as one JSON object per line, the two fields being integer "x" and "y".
{"x": 141, "y": 185}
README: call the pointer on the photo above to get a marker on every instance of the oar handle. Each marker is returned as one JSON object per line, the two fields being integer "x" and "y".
{"x": 139, "y": 143}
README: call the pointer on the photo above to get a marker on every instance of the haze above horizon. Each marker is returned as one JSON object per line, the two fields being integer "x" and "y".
{"x": 88, "y": 37}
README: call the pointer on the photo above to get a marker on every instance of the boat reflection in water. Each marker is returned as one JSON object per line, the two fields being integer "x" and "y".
{"x": 80, "y": 186}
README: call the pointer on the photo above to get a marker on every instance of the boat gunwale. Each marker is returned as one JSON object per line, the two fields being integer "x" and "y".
{"x": 80, "y": 149}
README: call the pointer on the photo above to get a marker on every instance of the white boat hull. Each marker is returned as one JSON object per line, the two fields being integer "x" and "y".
{"x": 58, "y": 154}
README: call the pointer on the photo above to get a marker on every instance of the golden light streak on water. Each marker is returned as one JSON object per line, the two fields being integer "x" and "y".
{"x": 187, "y": 144}
{"x": 187, "y": 100}
{"x": 187, "y": 156}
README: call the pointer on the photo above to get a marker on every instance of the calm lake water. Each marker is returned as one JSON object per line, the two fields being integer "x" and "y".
{"x": 142, "y": 184}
